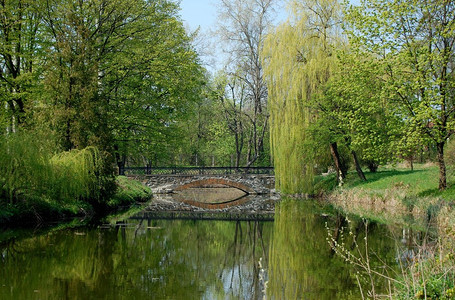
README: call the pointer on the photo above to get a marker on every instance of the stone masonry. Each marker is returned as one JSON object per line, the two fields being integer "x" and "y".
{"x": 250, "y": 183}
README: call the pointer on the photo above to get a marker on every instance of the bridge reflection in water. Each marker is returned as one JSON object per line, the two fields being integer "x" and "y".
{"x": 180, "y": 206}
{"x": 203, "y": 215}
{"x": 212, "y": 197}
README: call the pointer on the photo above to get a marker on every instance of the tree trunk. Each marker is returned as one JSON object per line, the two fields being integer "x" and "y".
{"x": 120, "y": 159}
{"x": 442, "y": 166}
{"x": 336, "y": 159}
{"x": 237, "y": 158}
{"x": 357, "y": 166}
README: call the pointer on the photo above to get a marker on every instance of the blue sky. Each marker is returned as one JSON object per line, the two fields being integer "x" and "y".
{"x": 199, "y": 13}
{"x": 203, "y": 13}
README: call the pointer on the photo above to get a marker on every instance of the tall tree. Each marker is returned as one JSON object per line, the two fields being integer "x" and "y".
{"x": 231, "y": 91}
{"x": 414, "y": 41}
{"x": 122, "y": 74}
{"x": 243, "y": 26}
{"x": 80, "y": 33}
{"x": 153, "y": 82}
{"x": 20, "y": 24}
{"x": 352, "y": 111}
{"x": 299, "y": 59}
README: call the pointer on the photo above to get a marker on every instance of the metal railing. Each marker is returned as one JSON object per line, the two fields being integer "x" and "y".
{"x": 194, "y": 170}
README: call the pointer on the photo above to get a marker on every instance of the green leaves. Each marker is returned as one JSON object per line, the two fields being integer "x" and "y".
{"x": 410, "y": 40}
{"x": 298, "y": 58}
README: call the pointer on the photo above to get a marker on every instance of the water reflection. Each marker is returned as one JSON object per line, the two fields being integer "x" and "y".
{"x": 212, "y": 195}
{"x": 140, "y": 259}
{"x": 302, "y": 264}
{"x": 188, "y": 259}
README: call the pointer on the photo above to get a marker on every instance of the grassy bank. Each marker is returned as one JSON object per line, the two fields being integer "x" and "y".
{"x": 128, "y": 192}
{"x": 420, "y": 182}
{"x": 36, "y": 210}
{"x": 410, "y": 198}
{"x": 391, "y": 192}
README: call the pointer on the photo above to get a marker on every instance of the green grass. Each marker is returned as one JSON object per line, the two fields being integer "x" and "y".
{"x": 38, "y": 209}
{"x": 128, "y": 192}
{"x": 422, "y": 182}
{"x": 396, "y": 195}
{"x": 392, "y": 194}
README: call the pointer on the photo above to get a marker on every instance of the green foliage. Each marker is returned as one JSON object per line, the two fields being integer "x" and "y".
{"x": 117, "y": 75}
{"x": 76, "y": 174}
{"x": 413, "y": 43}
{"x": 207, "y": 134}
{"x": 20, "y": 50}
{"x": 34, "y": 174}
{"x": 219, "y": 130}
{"x": 24, "y": 163}
{"x": 152, "y": 80}
{"x": 298, "y": 61}
{"x": 129, "y": 192}
{"x": 353, "y": 111}
{"x": 450, "y": 158}
{"x": 110, "y": 80}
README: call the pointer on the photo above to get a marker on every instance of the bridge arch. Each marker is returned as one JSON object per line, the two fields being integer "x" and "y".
{"x": 216, "y": 181}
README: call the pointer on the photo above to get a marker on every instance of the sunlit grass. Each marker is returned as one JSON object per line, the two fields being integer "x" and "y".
{"x": 128, "y": 192}
{"x": 421, "y": 182}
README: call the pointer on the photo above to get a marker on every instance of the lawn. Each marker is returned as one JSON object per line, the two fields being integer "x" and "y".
{"x": 421, "y": 182}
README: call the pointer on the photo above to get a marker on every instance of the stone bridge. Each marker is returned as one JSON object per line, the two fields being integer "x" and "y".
{"x": 249, "y": 183}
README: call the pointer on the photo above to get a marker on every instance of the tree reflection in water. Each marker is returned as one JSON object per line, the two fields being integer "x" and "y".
{"x": 146, "y": 259}
{"x": 302, "y": 264}
{"x": 193, "y": 259}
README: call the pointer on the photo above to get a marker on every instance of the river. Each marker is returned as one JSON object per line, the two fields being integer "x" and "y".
{"x": 288, "y": 258}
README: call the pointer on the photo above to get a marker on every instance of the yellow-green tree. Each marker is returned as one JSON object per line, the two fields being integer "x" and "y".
{"x": 414, "y": 41}
{"x": 298, "y": 60}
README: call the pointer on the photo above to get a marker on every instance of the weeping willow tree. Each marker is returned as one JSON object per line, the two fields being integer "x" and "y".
{"x": 31, "y": 169}
{"x": 301, "y": 265}
{"x": 298, "y": 60}
{"x": 23, "y": 166}
{"x": 76, "y": 173}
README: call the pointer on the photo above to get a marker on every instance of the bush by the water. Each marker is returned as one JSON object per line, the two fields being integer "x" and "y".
{"x": 128, "y": 192}
{"x": 33, "y": 173}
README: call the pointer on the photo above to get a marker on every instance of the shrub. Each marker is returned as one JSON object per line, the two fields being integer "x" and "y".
{"x": 31, "y": 167}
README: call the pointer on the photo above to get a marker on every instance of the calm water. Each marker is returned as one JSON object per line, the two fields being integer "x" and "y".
{"x": 289, "y": 258}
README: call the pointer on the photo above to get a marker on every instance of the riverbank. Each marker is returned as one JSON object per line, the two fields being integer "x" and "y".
{"x": 409, "y": 198}
{"x": 38, "y": 210}
{"x": 393, "y": 193}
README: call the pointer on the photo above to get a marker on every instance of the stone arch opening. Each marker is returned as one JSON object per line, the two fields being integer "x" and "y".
{"x": 215, "y": 182}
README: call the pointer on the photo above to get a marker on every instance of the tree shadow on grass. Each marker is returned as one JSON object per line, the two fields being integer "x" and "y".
{"x": 447, "y": 194}
{"x": 372, "y": 177}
